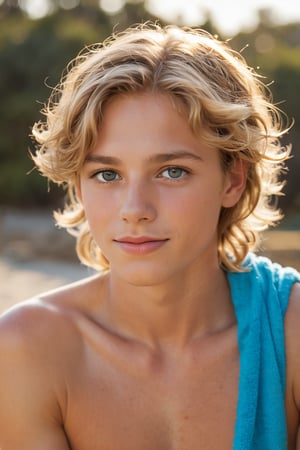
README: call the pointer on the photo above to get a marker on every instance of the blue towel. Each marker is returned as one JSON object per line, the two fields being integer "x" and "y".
{"x": 260, "y": 297}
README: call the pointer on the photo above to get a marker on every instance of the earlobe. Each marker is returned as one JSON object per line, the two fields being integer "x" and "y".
{"x": 235, "y": 183}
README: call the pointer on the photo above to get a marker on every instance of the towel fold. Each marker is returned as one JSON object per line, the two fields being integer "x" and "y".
{"x": 260, "y": 297}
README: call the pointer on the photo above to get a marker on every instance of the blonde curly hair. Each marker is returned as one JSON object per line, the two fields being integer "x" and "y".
{"x": 225, "y": 99}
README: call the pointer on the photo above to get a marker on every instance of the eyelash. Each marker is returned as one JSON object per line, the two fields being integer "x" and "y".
{"x": 184, "y": 172}
{"x": 101, "y": 172}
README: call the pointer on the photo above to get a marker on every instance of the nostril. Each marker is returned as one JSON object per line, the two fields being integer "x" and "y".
{"x": 139, "y": 213}
{"x": 138, "y": 202}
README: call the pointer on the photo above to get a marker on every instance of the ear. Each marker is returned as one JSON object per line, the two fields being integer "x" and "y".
{"x": 235, "y": 183}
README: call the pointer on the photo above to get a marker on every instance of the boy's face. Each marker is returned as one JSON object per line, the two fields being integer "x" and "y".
{"x": 152, "y": 192}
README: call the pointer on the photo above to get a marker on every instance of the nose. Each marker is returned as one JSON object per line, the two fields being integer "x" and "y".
{"x": 138, "y": 203}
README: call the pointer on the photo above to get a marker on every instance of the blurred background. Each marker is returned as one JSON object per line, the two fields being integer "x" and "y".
{"x": 37, "y": 40}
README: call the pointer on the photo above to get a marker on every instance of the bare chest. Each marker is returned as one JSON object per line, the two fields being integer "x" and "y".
{"x": 189, "y": 404}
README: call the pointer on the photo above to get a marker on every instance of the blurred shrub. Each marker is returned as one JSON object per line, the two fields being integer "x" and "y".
{"x": 33, "y": 55}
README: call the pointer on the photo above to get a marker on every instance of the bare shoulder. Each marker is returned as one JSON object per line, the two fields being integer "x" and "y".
{"x": 39, "y": 344}
{"x": 37, "y": 319}
{"x": 48, "y": 318}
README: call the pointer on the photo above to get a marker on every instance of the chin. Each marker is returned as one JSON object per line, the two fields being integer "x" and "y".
{"x": 143, "y": 276}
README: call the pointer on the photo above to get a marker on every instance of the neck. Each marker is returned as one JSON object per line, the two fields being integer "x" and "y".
{"x": 174, "y": 312}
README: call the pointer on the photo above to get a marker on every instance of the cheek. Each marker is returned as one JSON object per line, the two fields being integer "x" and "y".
{"x": 204, "y": 201}
{"x": 198, "y": 215}
{"x": 96, "y": 209}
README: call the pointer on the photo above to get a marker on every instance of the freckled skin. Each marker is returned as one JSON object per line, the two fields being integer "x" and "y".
{"x": 146, "y": 355}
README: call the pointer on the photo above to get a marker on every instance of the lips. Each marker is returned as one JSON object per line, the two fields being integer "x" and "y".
{"x": 140, "y": 245}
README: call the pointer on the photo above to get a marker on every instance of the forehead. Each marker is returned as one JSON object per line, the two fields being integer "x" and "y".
{"x": 147, "y": 128}
{"x": 149, "y": 102}
{"x": 142, "y": 118}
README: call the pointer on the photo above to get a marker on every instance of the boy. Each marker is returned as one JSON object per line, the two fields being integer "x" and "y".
{"x": 170, "y": 151}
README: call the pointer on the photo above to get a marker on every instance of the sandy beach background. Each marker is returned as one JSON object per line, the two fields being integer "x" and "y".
{"x": 35, "y": 256}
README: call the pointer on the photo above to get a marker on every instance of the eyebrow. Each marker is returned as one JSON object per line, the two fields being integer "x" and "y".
{"x": 157, "y": 158}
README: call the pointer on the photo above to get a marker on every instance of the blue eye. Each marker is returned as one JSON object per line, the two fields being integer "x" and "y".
{"x": 107, "y": 176}
{"x": 174, "y": 173}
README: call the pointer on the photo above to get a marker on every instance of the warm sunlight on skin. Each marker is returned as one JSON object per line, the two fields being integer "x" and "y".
{"x": 152, "y": 193}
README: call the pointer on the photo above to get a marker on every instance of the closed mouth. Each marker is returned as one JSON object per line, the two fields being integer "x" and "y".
{"x": 138, "y": 240}
{"x": 141, "y": 245}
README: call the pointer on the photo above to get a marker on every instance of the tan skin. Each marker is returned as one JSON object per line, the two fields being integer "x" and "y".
{"x": 144, "y": 356}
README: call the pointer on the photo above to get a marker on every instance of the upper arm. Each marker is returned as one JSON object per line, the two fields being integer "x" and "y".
{"x": 292, "y": 337}
{"x": 30, "y": 414}
{"x": 292, "y": 325}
